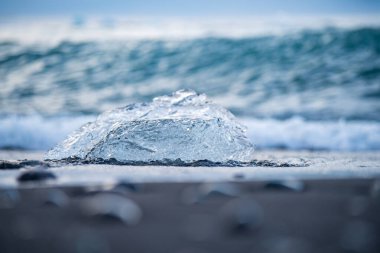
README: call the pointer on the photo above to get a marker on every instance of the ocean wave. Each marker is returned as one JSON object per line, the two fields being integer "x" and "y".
{"x": 54, "y": 30}
{"x": 323, "y": 74}
{"x": 290, "y": 80}
{"x": 39, "y": 133}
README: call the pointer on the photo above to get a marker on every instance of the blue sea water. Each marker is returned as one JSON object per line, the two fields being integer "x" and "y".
{"x": 314, "y": 87}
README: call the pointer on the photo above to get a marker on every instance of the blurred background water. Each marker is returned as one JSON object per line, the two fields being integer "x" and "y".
{"x": 305, "y": 81}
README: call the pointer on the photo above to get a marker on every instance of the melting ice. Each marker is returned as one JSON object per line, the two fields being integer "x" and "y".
{"x": 184, "y": 125}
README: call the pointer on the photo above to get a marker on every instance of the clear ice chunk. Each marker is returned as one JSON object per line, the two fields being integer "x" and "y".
{"x": 184, "y": 125}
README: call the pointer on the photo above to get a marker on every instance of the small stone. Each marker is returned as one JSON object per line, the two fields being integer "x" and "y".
{"x": 33, "y": 163}
{"x": 9, "y": 165}
{"x": 12, "y": 165}
{"x": 113, "y": 207}
{"x": 239, "y": 176}
{"x": 219, "y": 189}
{"x": 35, "y": 175}
{"x": 127, "y": 186}
{"x": 194, "y": 194}
{"x": 56, "y": 198}
{"x": 241, "y": 215}
{"x": 92, "y": 190}
{"x": 288, "y": 185}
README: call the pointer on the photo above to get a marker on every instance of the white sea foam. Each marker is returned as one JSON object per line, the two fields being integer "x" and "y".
{"x": 38, "y": 133}
{"x": 296, "y": 134}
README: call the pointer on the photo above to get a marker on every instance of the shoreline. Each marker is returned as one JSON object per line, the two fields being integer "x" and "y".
{"x": 321, "y": 165}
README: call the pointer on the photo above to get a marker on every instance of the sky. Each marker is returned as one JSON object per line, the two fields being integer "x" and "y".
{"x": 186, "y": 7}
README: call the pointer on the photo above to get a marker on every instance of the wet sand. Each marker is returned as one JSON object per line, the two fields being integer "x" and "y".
{"x": 317, "y": 216}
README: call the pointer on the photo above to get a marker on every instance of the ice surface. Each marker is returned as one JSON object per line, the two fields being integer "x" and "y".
{"x": 184, "y": 125}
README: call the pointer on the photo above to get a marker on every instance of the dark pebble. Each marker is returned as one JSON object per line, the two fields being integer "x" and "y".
{"x": 35, "y": 175}
{"x": 9, "y": 165}
{"x": 239, "y": 176}
{"x": 33, "y": 163}
{"x": 287, "y": 185}
{"x": 12, "y": 165}
{"x": 127, "y": 186}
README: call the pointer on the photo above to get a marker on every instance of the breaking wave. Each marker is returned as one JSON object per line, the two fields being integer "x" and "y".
{"x": 38, "y": 133}
{"x": 310, "y": 85}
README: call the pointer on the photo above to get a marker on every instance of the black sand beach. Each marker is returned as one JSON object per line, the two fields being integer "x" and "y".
{"x": 330, "y": 205}
{"x": 315, "y": 216}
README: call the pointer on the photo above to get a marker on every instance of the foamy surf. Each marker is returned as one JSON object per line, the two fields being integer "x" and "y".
{"x": 39, "y": 133}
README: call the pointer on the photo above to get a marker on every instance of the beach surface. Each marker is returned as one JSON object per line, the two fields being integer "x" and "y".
{"x": 339, "y": 215}
{"x": 326, "y": 202}
{"x": 307, "y": 165}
